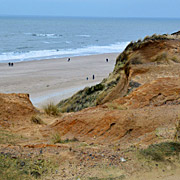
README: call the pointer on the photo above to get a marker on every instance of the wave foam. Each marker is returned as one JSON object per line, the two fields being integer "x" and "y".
{"x": 84, "y": 35}
{"x": 59, "y": 53}
{"x": 44, "y": 35}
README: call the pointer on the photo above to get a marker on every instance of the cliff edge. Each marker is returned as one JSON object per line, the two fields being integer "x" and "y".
{"x": 141, "y": 58}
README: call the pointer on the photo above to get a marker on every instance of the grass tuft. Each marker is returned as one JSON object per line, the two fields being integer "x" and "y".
{"x": 36, "y": 120}
{"x": 51, "y": 109}
{"x": 161, "y": 58}
{"x": 56, "y": 138}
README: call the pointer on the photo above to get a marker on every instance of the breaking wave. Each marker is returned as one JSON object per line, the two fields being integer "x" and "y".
{"x": 59, "y": 53}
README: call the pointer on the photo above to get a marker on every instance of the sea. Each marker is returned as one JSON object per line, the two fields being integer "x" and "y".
{"x": 36, "y": 38}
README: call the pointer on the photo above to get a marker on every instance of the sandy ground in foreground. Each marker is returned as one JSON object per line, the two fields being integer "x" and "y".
{"x": 54, "y": 79}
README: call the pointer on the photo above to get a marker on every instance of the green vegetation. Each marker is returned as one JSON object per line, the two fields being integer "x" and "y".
{"x": 82, "y": 99}
{"x": 51, "y": 109}
{"x": 159, "y": 152}
{"x": 132, "y": 46}
{"x": 36, "y": 120}
{"x": 23, "y": 169}
{"x": 95, "y": 88}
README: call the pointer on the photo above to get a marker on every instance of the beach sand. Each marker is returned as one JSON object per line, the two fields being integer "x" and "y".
{"x": 54, "y": 79}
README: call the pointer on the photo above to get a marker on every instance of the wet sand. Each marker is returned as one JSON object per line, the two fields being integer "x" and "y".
{"x": 54, "y": 79}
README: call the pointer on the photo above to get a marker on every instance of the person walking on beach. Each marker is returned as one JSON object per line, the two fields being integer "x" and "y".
{"x": 93, "y": 77}
{"x": 69, "y": 59}
{"x": 107, "y": 59}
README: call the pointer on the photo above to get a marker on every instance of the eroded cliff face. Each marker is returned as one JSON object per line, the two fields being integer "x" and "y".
{"x": 140, "y": 95}
{"x": 150, "y": 106}
{"x": 135, "y": 66}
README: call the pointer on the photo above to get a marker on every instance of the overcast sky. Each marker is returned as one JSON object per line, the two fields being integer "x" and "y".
{"x": 94, "y": 8}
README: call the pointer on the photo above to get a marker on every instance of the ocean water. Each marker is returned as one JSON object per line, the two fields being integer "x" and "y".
{"x": 34, "y": 38}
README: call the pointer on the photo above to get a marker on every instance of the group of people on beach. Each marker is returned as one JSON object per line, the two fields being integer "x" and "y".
{"x": 69, "y": 59}
{"x": 93, "y": 76}
{"x": 10, "y": 64}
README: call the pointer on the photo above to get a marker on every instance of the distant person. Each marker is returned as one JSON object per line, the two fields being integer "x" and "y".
{"x": 9, "y": 64}
{"x": 87, "y": 78}
{"x": 107, "y": 59}
{"x": 93, "y": 77}
{"x": 12, "y": 64}
{"x": 68, "y": 59}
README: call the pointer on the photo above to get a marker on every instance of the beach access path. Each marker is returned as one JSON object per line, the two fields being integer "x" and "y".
{"x": 55, "y": 79}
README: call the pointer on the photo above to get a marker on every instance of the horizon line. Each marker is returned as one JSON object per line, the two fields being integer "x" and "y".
{"x": 61, "y": 16}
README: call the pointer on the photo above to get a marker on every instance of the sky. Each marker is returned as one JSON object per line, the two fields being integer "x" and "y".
{"x": 92, "y": 8}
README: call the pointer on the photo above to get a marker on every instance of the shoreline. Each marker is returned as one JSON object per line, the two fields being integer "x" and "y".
{"x": 52, "y": 80}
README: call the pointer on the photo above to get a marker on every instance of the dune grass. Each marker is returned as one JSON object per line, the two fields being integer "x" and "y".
{"x": 51, "y": 110}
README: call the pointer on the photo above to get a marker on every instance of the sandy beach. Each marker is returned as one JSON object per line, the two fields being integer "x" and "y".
{"x": 54, "y": 79}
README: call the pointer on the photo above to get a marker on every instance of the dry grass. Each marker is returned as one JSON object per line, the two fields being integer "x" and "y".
{"x": 56, "y": 138}
{"x": 161, "y": 58}
{"x": 36, "y": 120}
{"x": 51, "y": 109}
{"x": 137, "y": 59}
